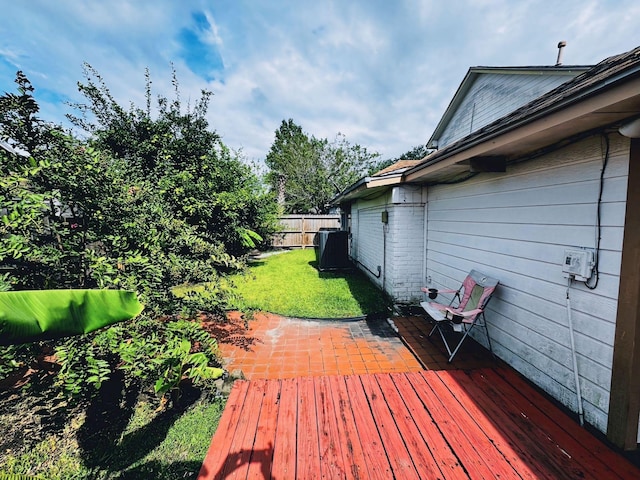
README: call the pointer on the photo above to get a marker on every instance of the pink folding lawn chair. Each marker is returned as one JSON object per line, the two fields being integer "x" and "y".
{"x": 472, "y": 298}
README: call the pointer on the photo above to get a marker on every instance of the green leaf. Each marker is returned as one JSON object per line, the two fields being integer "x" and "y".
{"x": 32, "y": 315}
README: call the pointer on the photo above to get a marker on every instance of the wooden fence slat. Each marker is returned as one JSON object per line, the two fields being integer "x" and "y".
{"x": 299, "y": 231}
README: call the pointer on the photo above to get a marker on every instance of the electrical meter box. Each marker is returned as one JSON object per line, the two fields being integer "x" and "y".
{"x": 578, "y": 263}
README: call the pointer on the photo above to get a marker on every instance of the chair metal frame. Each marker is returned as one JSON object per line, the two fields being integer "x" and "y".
{"x": 459, "y": 317}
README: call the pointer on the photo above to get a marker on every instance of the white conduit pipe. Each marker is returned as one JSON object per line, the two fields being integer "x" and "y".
{"x": 575, "y": 359}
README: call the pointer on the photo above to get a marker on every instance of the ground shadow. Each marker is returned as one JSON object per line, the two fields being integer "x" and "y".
{"x": 156, "y": 469}
{"x": 361, "y": 288}
{"x": 231, "y": 331}
{"x": 241, "y": 460}
{"x": 101, "y": 438}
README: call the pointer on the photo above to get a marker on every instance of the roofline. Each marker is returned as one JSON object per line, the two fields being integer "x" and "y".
{"x": 472, "y": 73}
{"x": 365, "y": 186}
{"x": 561, "y": 112}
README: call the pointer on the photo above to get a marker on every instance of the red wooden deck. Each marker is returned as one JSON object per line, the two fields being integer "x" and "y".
{"x": 485, "y": 423}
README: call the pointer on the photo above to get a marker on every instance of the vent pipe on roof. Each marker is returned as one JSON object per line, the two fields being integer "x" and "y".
{"x": 561, "y": 45}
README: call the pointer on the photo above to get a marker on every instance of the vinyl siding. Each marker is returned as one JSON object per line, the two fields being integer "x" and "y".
{"x": 494, "y": 95}
{"x": 397, "y": 247}
{"x": 515, "y": 227}
{"x": 368, "y": 242}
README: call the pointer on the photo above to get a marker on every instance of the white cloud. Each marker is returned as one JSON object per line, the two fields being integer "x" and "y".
{"x": 380, "y": 72}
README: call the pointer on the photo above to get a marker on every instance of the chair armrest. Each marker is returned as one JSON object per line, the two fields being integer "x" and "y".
{"x": 466, "y": 315}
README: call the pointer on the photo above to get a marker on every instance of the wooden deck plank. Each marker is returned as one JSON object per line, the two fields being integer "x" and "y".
{"x": 435, "y": 424}
{"x": 352, "y": 448}
{"x": 236, "y": 464}
{"x": 560, "y": 431}
{"x": 331, "y": 460}
{"x": 447, "y": 461}
{"x": 374, "y": 451}
{"x": 560, "y": 449}
{"x": 308, "y": 457}
{"x": 262, "y": 452}
{"x": 284, "y": 448}
{"x": 486, "y": 445}
{"x": 221, "y": 441}
{"x": 397, "y": 453}
{"x": 597, "y": 449}
{"x": 516, "y": 444}
{"x": 419, "y": 451}
{"x": 448, "y": 424}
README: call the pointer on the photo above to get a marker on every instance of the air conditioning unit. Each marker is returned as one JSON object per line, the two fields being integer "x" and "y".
{"x": 332, "y": 250}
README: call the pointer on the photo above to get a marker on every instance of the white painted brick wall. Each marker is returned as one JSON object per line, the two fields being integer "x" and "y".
{"x": 402, "y": 244}
{"x": 405, "y": 246}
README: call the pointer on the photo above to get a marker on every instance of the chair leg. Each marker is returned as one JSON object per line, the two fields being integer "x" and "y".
{"x": 466, "y": 334}
{"x": 486, "y": 331}
{"x": 435, "y": 327}
{"x": 444, "y": 340}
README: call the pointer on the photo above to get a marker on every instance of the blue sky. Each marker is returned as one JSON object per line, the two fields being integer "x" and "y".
{"x": 380, "y": 72}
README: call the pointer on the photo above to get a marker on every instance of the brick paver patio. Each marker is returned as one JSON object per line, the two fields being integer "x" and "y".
{"x": 279, "y": 347}
{"x": 270, "y": 346}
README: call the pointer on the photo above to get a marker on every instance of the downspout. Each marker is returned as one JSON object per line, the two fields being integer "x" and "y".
{"x": 424, "y": 238}
{"x": 574, "y": 357}
{"x": 385, "y": 228}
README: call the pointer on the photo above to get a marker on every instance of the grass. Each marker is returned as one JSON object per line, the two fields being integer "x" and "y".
{"x": 289, "y": 284}
{"x": 169, "y": 445}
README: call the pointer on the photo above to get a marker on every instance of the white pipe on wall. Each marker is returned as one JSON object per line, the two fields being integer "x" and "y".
{"x": 575, "y": 358}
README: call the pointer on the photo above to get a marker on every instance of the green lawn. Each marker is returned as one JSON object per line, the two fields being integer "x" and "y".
{"x": 169, "y": 445}
{"x": 289, "y": 284}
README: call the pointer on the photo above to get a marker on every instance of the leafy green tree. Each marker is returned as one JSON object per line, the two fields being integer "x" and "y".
{"x": 416, "y": 153}
{"x": 74, "y": 214}
{"x": 200, "y": 180}
{"x": 347, "y": 163}
{"x": 308, "y": 172}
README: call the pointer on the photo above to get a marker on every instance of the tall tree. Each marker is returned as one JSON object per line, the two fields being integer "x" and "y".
{"x": 310, "y": 171}
{"x": 202, "y": 181}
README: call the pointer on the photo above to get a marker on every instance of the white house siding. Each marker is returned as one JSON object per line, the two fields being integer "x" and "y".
{"x": 515, "y": 226}
{"x": 494, "y": 95}
{"x": 367, "y": 237}
{"x": 396, "y": 247}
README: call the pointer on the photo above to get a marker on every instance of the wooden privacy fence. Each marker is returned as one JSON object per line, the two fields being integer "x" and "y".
{"x": 298, "y": 231}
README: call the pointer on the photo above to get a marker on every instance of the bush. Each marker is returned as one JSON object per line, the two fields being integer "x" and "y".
{"x": 145, "y": 204}
{"x": 155, "y": 354}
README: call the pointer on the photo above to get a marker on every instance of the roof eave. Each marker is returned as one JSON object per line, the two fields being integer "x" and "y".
{"x": 588, "y": 110}
{"x": 367, "y": 187}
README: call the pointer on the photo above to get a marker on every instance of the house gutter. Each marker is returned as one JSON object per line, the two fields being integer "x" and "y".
{"x": 544, "y": 119}
{"x": 365, "y": 184}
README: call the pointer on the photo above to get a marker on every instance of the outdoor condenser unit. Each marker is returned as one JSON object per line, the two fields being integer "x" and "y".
{"x": 332, "y": 250}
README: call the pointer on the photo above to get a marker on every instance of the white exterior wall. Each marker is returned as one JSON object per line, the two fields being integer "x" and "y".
{"x": 494, "y": 95}
{"x": 515, "y": 227}
{"x": 397, "y": 247}
{"x": 368, "y": 237}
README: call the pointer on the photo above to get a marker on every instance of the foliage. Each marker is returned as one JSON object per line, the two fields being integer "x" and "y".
{"x": 35, "y": 315}
{"x": 308, "y": 172}
{"x": 156, "y": 353}
{"x": 200, "y": 181}
{"x": 416, "y": 153}
{"x": 144, "y": 204}
{"x": 289, "y": 284}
